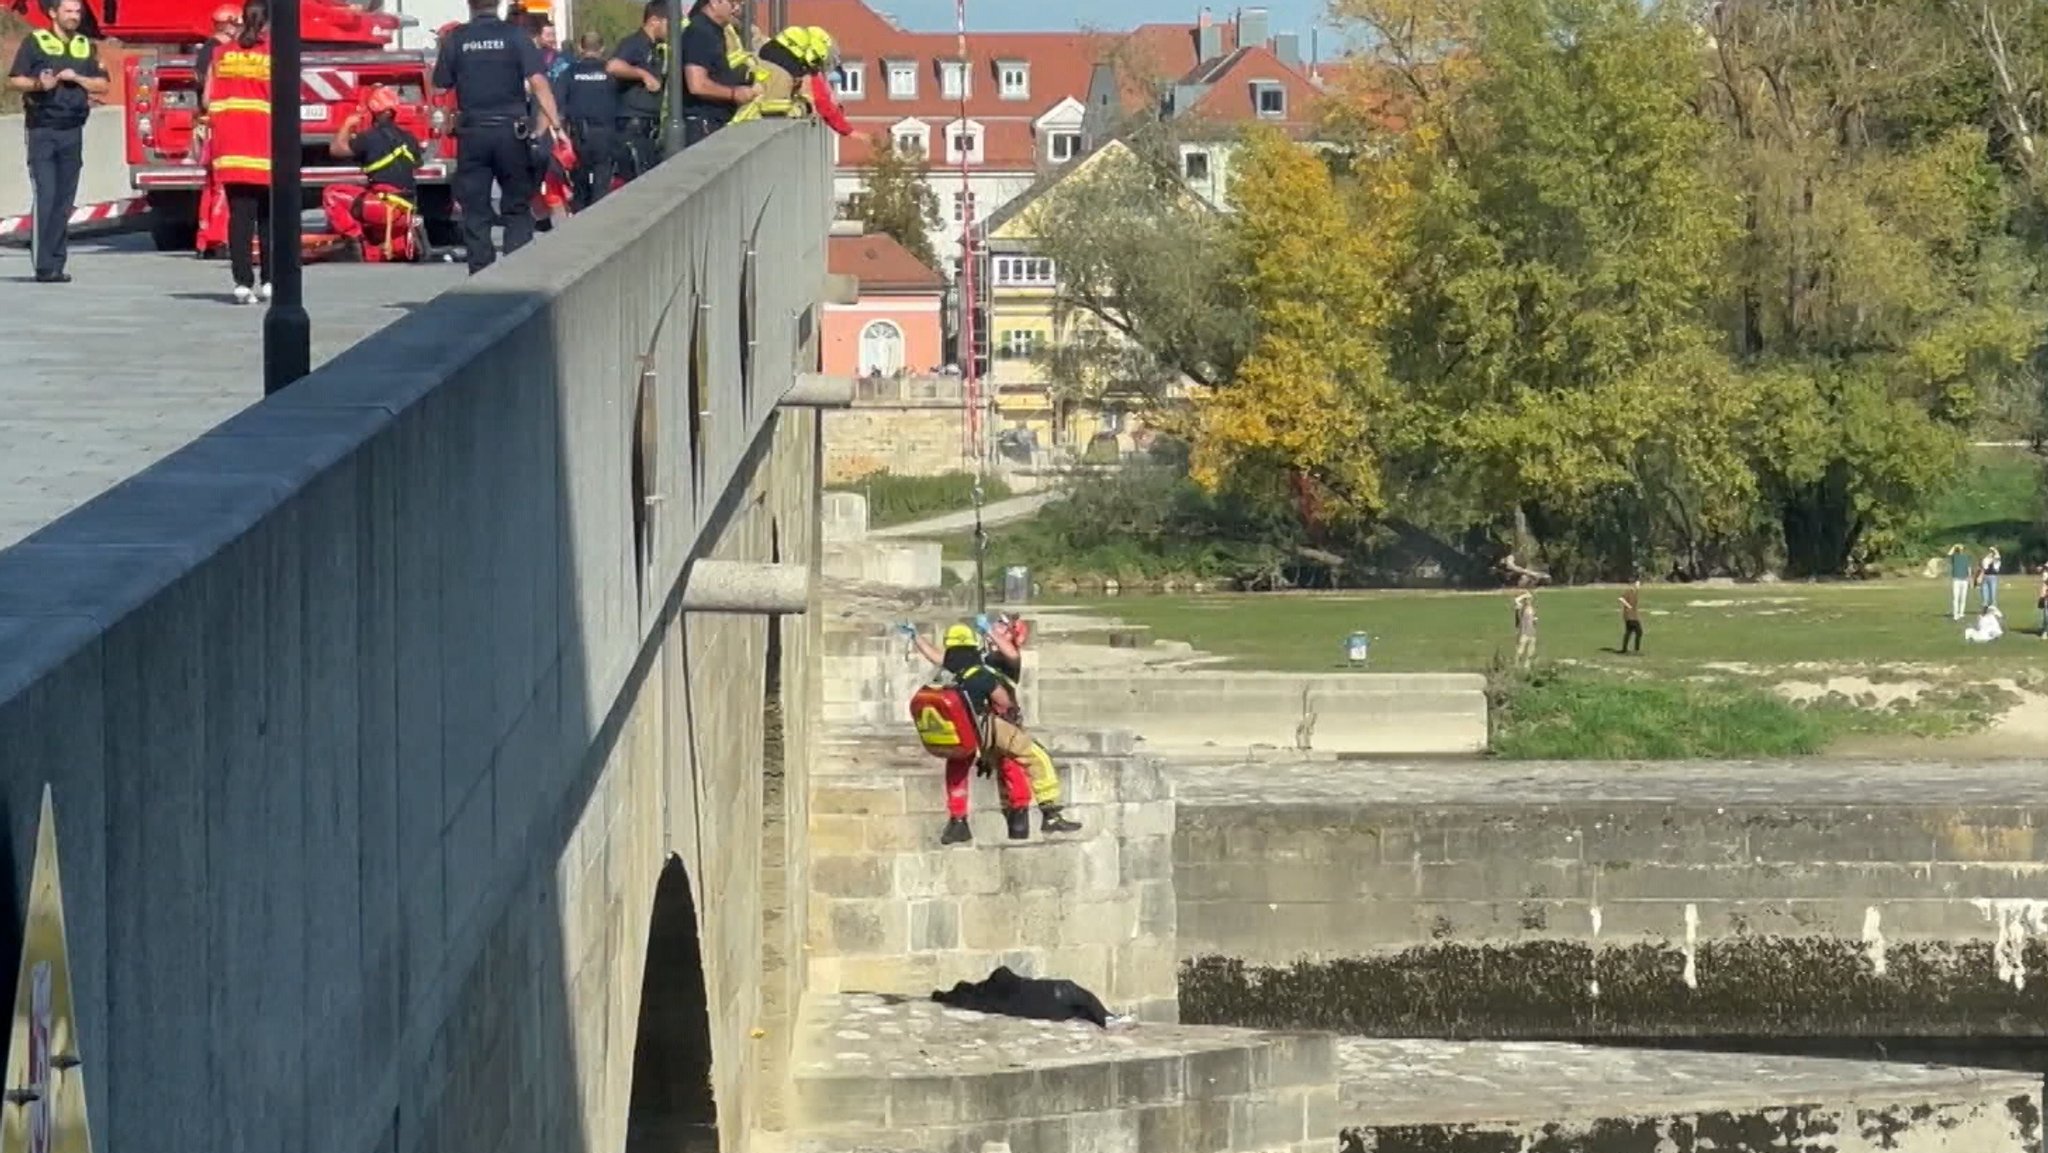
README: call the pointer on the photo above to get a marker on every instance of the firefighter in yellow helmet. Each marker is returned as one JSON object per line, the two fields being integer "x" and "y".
{"x": 790, "y": 71}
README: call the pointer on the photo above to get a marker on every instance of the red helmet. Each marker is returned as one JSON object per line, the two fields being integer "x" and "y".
{"x": 379, "y": 100}
{"x": 227, "y": 14}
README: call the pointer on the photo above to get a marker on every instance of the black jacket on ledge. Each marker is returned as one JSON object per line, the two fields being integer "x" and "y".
{"x": 1037, "y": 998}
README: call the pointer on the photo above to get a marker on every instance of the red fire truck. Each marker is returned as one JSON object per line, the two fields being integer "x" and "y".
{"x": 347, "y": 48}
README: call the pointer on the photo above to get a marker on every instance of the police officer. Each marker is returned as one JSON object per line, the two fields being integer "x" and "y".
{"x": 717, "y": 77}
{"x": 58, "y": 73}
{"x": 493, "y": 67}
{"x": 640, "y": 66}
{"x": 589, "y": 100}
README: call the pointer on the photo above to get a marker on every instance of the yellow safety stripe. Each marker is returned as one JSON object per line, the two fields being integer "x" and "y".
{"x": 402, "y": 152}
{"x": 242, "y": 163}
{"x": 237, "y": 104}
{"x": 393, "y": 198}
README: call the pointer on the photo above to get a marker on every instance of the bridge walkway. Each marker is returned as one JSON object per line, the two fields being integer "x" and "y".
{"x": 141, "y": 353}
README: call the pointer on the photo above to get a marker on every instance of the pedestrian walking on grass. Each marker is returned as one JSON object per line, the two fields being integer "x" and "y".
{"x": 1525, "y": 629}
{"x": 1987, "y": 582}
{"x": 2041, "y": 602}
{"x": 1632, "y": 617}
{"x": 1958, "y": 581}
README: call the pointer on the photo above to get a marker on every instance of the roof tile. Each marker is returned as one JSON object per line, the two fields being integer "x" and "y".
{"x": 882, "y": 264}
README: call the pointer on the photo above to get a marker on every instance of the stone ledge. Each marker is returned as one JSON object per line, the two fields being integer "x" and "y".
{"x": 935, "y": 1078}
{"x": 1411, "y": 1096}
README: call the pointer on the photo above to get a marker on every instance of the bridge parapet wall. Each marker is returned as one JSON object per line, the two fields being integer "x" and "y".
{"x": 371, "y": 715}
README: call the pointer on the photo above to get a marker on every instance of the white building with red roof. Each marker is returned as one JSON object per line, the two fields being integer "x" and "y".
{"x": 1022, "y": 105}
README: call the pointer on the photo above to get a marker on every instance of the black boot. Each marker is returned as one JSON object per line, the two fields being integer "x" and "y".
{"x": 957, "y": 832}
{"x": 1020, "y": 823}
{"x": 1056, "y": 821}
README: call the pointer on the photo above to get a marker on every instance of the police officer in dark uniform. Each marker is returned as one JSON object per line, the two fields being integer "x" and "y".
{"x": 589, "y": 100}
{"x": 714, "y": 87}
{"x": 57, "y": 73}
{"x": 493, "y": 67}
{"x": 640, "y": 66}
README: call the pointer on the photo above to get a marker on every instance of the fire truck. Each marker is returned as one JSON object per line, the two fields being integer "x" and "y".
{"x": 347, "y": 48}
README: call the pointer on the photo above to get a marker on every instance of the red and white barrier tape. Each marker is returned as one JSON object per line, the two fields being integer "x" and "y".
{"x": 84, "y": 214}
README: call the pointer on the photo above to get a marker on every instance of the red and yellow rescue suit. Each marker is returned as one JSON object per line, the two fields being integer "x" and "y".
{"x": 955, "y": 728}
{"x": 379, "y": 214}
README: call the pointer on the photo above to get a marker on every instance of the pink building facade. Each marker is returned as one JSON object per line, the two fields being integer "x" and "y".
{"x": 896, "y": 328}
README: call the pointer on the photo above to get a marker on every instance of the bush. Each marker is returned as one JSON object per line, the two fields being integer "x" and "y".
{"x": 894, "y": 500}
{"x": 614, "y": 19}
{"x": 1551, "y": 714}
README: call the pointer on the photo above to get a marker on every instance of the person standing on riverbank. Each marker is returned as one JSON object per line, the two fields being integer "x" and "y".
{"x": 1525, "y": 629}
{"x": 1632, "y": 617}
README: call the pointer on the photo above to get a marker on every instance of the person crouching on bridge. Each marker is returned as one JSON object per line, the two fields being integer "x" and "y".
{"x": 237, "y": 103}
{"x": 984, "y": 734}
{"x": 377, "y": 217}
{"x": 790, "y": 74}
{"x": 1003, "y": 651}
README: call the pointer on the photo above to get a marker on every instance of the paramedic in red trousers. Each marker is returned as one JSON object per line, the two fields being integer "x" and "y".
{"x": 494, "y": 69}
{"x": 57, "y": 73}
{"x": 375, "y": 216}
{"x": 994, "y": 702}
{"x": 237, "y": 103}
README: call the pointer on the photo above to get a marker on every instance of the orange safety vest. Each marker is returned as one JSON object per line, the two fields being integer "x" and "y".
{"x": 238, "y": 114}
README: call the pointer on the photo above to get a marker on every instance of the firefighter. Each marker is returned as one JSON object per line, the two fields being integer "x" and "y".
{"x": 790, "y": 73}
{"x": 492, "y": 68}
{"x": 718, "y": 73}
{"x": 213, "y": 205}
{"x": 589, "y": 100}
{"x": 237, "y": 103}
{"x": 376, "y": 217}
{"x": 639, "y": 66}
{"x": 993, "y": 702}
{"x": 58, "y": 72}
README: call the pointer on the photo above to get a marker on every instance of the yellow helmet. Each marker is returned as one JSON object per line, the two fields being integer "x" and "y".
{"x": 960, "y": 635}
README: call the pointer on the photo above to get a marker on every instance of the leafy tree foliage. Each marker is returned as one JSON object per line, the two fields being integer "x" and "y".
{"x": 1622, "y": 288}
{"x": 895, "y": 199}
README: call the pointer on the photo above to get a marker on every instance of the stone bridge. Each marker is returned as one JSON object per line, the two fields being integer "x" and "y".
{"x": 394, "y": 730}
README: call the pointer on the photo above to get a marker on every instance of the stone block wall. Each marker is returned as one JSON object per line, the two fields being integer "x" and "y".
{"x": 907, "y": 439}
{"x": 1489, "y": 901}
{"x": 893, "y": 911}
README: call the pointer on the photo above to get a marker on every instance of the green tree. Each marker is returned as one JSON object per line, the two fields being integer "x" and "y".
{"x": 896, "y": 199}
{"x": 613, "y": 19}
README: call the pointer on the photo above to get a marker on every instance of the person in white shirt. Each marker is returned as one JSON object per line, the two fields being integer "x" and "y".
{"x": 1989, "y": 627}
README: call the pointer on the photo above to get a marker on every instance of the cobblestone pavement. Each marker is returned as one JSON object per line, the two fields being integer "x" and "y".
{"x": 142, "y": 353}
{"x": 1289, "y": 779}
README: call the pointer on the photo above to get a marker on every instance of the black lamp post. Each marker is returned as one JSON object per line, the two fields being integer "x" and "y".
{"x": 287, "y": 330}
{"x": 672, "y": 84}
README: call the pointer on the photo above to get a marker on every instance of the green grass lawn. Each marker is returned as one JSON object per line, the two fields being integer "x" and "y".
{"x": 894, "y": 500}
{"x": 1994, "y": 500}
{"x": 1754, "y": 670}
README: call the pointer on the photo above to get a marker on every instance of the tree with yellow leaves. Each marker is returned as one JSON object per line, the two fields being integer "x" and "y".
{"x": 1313, "y": 396}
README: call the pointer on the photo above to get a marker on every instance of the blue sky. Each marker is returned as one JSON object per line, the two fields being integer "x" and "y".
{"x": 1065, "y": 15}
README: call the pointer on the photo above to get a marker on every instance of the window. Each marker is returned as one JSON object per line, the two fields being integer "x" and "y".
{"x": 881, "y": 349}
{"x": 1023, "y": 271}
{"x": 902, "y": 80}
{"x": 963, "y": 144}
{"x": 1013, "y": 80}
{"x": 963, "y": 204}
{"x": 912, "y": 143}
{"x": 952, "y": 80}
{"x": 1019, "y": 343}
{"x": 850, "y": 80}
{"x": 1063, "y": 146}
{"x": 1270, "y": 99}
{"x": 1195, "y": 165}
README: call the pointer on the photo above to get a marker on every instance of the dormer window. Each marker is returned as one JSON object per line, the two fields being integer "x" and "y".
{"x": 953, "y": 79}
{"x": 912, "y": 139}
{"x": 1013, "y": 80}
{"x": 1269, "y": 99}
{"x": 850, "y": 80}
{"x": 1061, "y": 147}
{"x": 963, "y": 142}
{"x": 902, "y": 79}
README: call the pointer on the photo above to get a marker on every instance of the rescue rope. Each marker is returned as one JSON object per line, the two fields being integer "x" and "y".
{"x": 970, "y": 393}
